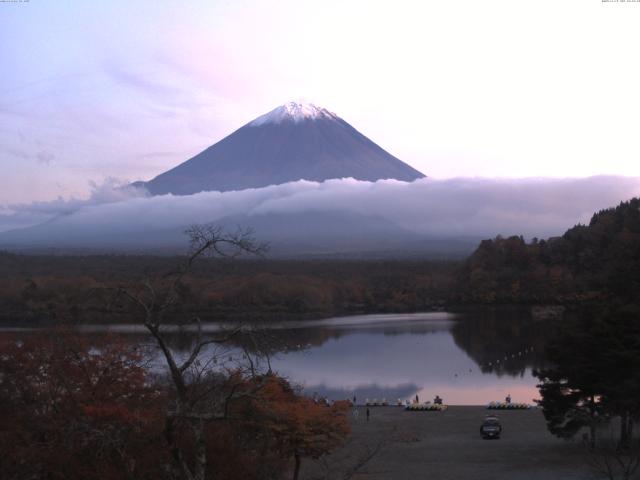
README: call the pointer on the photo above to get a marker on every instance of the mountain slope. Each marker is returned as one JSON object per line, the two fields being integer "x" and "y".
{"x": 307, "y": 234}
{"x": 294, "y": 141}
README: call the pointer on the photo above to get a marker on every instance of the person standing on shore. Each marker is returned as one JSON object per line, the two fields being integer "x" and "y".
{"x": 368, "y": 414}
{"x": 417, "y": 399}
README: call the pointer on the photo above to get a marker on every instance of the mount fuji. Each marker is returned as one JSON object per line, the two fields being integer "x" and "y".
{"x": 289, "y": 175}
{"x": 295, "y": 141}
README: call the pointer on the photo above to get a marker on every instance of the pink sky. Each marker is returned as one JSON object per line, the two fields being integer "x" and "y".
{"x": 465, "y": 88}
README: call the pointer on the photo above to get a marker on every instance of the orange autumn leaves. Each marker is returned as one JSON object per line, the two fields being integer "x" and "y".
{"x": 299, "y": 424}
{"x": 71, "y": 408}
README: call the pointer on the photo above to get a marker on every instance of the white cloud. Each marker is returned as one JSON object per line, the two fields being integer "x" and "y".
{"x": 109, "y": 191}
{"x": 461, "y": 207}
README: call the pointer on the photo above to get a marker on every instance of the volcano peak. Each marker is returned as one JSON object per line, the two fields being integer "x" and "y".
{"x": 294, "y": 141}
{"x": 293, "y": 111}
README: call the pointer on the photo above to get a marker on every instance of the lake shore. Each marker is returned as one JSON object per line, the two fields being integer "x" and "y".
{"x": 447, "y": 446}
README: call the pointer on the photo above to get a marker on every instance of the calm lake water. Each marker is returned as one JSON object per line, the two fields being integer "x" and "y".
{"x": 399, "y": 356}
{"x": 468, "y": 359}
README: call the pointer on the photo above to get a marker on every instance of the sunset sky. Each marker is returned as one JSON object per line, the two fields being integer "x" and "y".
{"x": 128, "y": 89}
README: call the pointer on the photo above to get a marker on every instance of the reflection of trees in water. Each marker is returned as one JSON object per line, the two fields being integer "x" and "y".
{"x": 272, "y": 341}
{"x": 259, "y": 341}
{"x": 503, "y": 341}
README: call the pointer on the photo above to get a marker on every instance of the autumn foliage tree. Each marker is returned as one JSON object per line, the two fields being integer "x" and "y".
{"x": 296, "y": 426}
{"x": 71, "y": 409}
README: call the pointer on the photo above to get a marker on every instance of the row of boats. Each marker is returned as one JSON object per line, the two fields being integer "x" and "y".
{"x": 428, "y": 407}
{"x": 439, "y": 407}
{"x": 508, "y": 406}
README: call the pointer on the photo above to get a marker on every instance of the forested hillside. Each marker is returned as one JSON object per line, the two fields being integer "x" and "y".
{"x": 599, "y": 261}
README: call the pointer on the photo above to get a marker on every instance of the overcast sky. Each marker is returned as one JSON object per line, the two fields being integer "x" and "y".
{"x": 127, "y": 89}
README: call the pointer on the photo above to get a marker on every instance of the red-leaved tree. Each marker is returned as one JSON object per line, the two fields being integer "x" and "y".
{"x": 71, "y": 409}
{"x": 296, "y": 425}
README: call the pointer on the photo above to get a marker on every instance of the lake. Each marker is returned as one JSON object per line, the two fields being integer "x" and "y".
{"x": 467, "y": 359}
{"x": 399, "y": 356}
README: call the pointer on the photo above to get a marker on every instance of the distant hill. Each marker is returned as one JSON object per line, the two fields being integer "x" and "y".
{"x": 292, "y": 142}
{"x": 310, "y": 234}
{"x": 599, "y": 261}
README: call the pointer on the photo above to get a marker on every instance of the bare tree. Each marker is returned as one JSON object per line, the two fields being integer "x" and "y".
{"x": 200, "y": 395}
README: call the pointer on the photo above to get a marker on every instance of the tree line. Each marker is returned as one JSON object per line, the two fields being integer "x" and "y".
{"x": 597, "y": 263}
{"x": 48, "y": 288}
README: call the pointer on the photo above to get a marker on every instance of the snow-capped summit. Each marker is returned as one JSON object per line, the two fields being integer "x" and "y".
{"x": 292, "y": 142}
{"x": 293, "y": 111}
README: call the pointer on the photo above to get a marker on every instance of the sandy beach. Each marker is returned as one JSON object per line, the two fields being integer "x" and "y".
{"x": 397, "y": 444}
